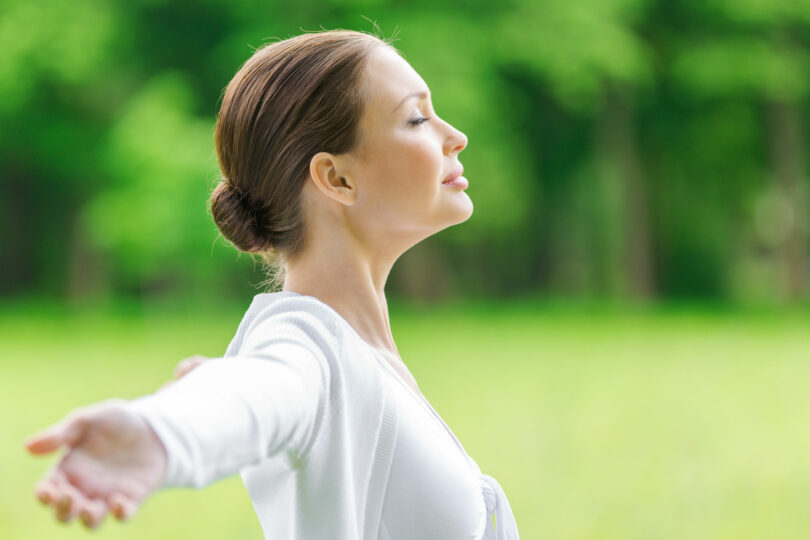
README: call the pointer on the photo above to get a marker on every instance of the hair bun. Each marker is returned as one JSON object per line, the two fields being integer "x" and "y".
{"x": 238, "y": 220}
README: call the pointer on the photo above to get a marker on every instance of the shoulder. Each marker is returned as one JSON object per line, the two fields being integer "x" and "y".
{"x": 279, "y": 317}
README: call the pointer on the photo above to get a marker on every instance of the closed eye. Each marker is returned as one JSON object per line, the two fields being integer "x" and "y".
{"x": 417, "y": 121}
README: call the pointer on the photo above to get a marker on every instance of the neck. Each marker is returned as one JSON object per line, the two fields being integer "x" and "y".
{"x": 352, "y": 285}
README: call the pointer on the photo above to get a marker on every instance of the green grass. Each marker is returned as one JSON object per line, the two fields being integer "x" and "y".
{"x": 598, "y": 424}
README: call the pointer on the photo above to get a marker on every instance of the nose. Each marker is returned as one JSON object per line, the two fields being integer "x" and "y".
{"x": 456, "y": 142}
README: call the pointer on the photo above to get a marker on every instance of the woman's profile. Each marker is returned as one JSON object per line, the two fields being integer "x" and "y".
{"x": 333, "y": 164}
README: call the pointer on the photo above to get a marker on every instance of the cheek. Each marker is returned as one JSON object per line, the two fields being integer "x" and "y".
{"x": 415, "y": 185}
{"x": 407, "y": 177}
{"x": 418, "y": 166}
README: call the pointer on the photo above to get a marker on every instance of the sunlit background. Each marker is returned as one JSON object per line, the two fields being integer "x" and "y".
{"x": 620, "y": 334}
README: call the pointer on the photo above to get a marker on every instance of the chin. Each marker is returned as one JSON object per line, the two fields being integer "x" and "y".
{"x": 465, "y": 210}
{"x": 459, "y": 215}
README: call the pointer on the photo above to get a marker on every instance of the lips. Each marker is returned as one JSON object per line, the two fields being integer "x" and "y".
{"x": 458, "y": 171}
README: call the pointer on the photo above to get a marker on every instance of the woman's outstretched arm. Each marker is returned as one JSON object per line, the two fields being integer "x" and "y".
{"x": 223, "y": 415}
{"x": 232, "y": 412}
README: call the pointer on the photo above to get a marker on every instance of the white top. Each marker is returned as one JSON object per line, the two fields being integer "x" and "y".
{"x": 329, "y": 440}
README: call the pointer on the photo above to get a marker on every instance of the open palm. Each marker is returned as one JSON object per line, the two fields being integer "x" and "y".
{"x": 113, "y": 462}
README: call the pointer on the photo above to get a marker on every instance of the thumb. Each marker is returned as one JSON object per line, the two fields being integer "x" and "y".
{"x": 68, "y": 432}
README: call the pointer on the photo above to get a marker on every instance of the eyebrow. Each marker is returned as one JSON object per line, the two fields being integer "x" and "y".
{"x": 422, "y": 94}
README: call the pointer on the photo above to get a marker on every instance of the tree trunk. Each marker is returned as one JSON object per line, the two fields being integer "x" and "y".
{"x": 87, "y": 273}
{"x": 618, "y": 148}
{"x": 787, "y": 161}
{"x": 18, "y": 230}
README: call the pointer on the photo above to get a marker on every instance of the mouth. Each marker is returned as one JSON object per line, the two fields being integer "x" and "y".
{"x": 458, "y": 181}
{"x": 455, "y": 179}
{"x": 455, "y": 173}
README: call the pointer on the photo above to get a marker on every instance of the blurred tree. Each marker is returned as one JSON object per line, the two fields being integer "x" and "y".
{"x": 616, "y": 147}
{"x": 592, "y": 61}
{"x": 55, "y": 90}
{"x": 152, "y": 222}
{"x": 762, "y": 55}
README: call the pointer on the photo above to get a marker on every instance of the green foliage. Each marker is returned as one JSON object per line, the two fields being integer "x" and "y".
{"x": 160, "y": 156}
{"x": 576, "y": 45}
{"x": 713, "y": 69}
{"x": 61, "y": 41}
{"x": 587, "y": 122}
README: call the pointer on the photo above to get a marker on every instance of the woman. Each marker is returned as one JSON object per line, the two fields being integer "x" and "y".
{"x": 334, "y": 164}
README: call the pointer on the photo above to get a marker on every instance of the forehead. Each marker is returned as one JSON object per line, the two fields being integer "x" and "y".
{"x": 389, "y": 78}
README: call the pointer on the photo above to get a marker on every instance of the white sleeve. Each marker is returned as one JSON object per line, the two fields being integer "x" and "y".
{"x": 234, "y": 411}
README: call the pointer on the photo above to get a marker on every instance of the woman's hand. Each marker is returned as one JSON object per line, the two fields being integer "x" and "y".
{"x": 113, "y": 462}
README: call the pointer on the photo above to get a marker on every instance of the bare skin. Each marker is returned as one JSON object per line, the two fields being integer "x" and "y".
{"x": 363, "y": 210}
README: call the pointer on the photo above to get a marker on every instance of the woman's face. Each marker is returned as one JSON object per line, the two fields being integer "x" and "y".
{"x": 404, "y": 154}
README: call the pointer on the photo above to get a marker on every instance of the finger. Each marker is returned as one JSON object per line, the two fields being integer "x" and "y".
{"x": 121, "y": 506}
{"x": 68, "y": 432}
{"x": 93, "y": 513}
{"x": 68, "y": 502}
{"x": 45, "y": 491}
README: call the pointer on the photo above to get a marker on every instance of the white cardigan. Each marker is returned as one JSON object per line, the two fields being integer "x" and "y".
{"x": 307, "y": 412}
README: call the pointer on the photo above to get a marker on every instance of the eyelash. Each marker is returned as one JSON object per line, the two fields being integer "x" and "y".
{"x": 418, "y": 121}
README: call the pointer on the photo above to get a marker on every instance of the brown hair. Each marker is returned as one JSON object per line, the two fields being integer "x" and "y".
{"x": 290, "y": 100}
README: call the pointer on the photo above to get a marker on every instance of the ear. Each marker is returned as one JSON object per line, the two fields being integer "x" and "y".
{"x": 331, "y": 179}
